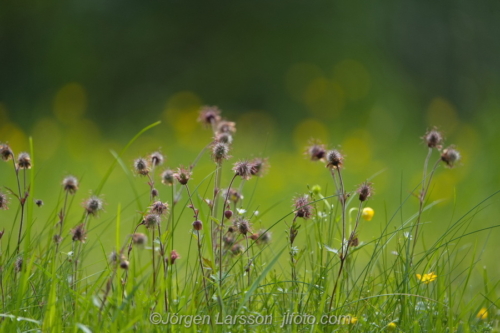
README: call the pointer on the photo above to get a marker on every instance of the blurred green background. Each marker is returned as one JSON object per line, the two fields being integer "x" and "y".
{"x": 82, "y": 77}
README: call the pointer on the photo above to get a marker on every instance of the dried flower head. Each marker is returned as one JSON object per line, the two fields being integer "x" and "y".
{"x": 158, "y": 208}
{"x": 154, "y": 193}
{"x": 24, "y": 161}
{"x": 209, "y": 115}
{"x": 156, "y": 158}
{"x": 197, "y": 225}
{"x": 70, "y": 184}
{"x": 139, "y": 239}
{"x": 226, "y": 127}
{"x": 4, "y": 200}
{"x": 234, "y": 196}
{"x": 220, "y": 152}
{"x": 353, "y": 240}
{"x": 167, "y": 177}
{"x": 226, "y": 138}
{"x": 39, "y": 202}
{"x": 6, "y": 152}
{"x": 57, "y": 239}
{"x": 433, "y": 138}
{"x": 237, "y": 249}
{"x": 182, "y": 175}
{"x": 79, "y": 233}
{"x": 263, "y": 237}
{"x": 302, "y": 207}
{"x": 450, "y": 156}
{"x": 228, "y": 241}
{"x": 141, "y": 166}
{"x": 316, "y": 151}
{"x": 242, "y": 225}
{"x": 151, "y": 220}
{"x": 334, "y": 159}
{"x": 124, "y": 264}
{"x": 259, "y": 166}
{"x": 243, "y": 169}
{"x": 93, "y": 205}
{"x": 365, "y": 191}
{"x": 173, "y": 257}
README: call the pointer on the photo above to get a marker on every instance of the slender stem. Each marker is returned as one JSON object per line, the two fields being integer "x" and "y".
{"x": 153, "y": 261}
{"x": 22, "y": 201}
{"x": 201, "y": 267}
{"x": 342, "y": 199}
{"x": 222, "y": 229}
{"x": 215, "y": 201}
{"x": 165, "y": 274}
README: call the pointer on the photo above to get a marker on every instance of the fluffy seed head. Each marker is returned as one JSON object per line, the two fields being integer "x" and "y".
{"x": 124, "y": 264}
{"x": 450, "y": 156}
{"x": 209, "y": 115}
{"x": 226, "y": 127}
{"x": 24, "y": 161}
{"x": 157, "y": 158}
{"x": 263, "y": 237}
{"x": 433, "y": 138}
{"x": 226, "y": 138}
{"x": 141, "y": 166}
{"x": 243, "y": 226}
{"x": 302, "y": 207}
{"x": 243, "y": 169}
{"x": 220, "y": 152}
{"x": 197, "y": 225}
{"x": 6, "y": 152}
{"x": 234, "y": 196}
{"x": 158, "y": 208}
{"x": 70, "y": 184}
{"x": 316, "y": 151}
{"x": 365, "y": 191}
{"x": 259, "y": 165}
{"x": 237, "y": 249}
{"x": 4, "y": 201}
{"x": 182, "y": 175}
{"x": 151, "y": 220}
{"x": 139, "y": 239}
{"x": 39, "y": 203}
{"x": 93, "y": 205}
{"x": 79, "y": 233}
{"x": 334, "y": 159}
{"x": 167, "y": 177}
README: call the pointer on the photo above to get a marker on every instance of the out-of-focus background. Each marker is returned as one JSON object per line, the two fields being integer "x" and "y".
{"x": 82, "y": 77}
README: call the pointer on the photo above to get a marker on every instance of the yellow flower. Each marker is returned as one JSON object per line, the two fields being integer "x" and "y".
{"x": 367, "y": 213}
{"x": 349, "y": 319}
{"x": 427, "y": 278}
{"x": 482, "y": 314}
{"x": 391, "y": 326}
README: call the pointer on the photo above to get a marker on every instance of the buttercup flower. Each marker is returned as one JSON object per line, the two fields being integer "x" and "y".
{"x": 482, "y": 314}
{"x": 367, "y": 213}
{"x": 427, "y": 278}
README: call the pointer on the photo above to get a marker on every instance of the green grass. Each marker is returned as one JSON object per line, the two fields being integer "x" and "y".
{"x": 310, "y": 284}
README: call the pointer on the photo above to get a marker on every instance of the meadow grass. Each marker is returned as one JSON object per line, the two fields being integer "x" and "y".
{"x": 234, "y": 277}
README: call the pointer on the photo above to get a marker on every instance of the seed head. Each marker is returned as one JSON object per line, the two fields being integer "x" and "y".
{"x": 237, "y": 249}
{"x": 57, "y": 239}
{"x": 220, "y": 152}
{"x": 70, "y": 184}
{"x": 302, "y": 207}
{"x": 39, "y": 203}
{"x": 243, "y": 226}
{"x": 259, "y": 166}
{"x": 234, "y": 195}
{"x": 450, "y": 156}
{"x": 93, "y": 205}
{"x": 24, "y": 161}
{"x": 141, "y": 166}
{"x": 139, "y": 239}
{"x": 173, "y": 257}
{"x": 243, "y": 169}
{"x": 365, "y": 191}
{"x": 197, "y": 225}
{"x": 263, "y": 237}
{"x": 353, "y": 240}
{"x": 433, "y": 138}
{"x": 79, "y": 233}
{"x": 158, "y": 208}
{"x": 18, "y": 265}
{"x": 113, "y": 257}
{"x": 154, "y": 193}
{"x": 226, "y": 138}
{"x": 167, "y": 177}
{"x": 124, "y": 264}
{"x": 334, "y": 159}
{"x": 226, "y": 127}
{"x": 209, "y": 115}
{"x": 156, "y": 158}
{"x": 151, "y": 221}
{"x": 316, "y": 151}
{"x": 6, "y": 152}
{"x": 182, "y": 175}
{"x": 4, "y": 200}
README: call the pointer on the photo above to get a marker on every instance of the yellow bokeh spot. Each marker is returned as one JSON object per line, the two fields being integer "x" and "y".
{"x": 299, "y": 77}
{"x": 482, "y": 314}
{"x": 391, "y": 326}
{"x": 324, "y": 98}
{"x": 354, "y": 78}
{"x": 70, "y": 103}
{"x": 357, "y": 148}
{"x": 46, "y": 137}
{"x": 442, "y": 113}
{"x": 309, "y": 129}
{"x": 367, "y": 213}
{"x": 10, "y": 133}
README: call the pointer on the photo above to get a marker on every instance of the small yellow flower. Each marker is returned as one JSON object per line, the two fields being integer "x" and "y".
{"x": 427, "y": 278}
{"x": 367, "y": 213}
{"x": 349, "y": 319}
{"x": 391, "y": 326}
{"x": 482, "y": 314}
